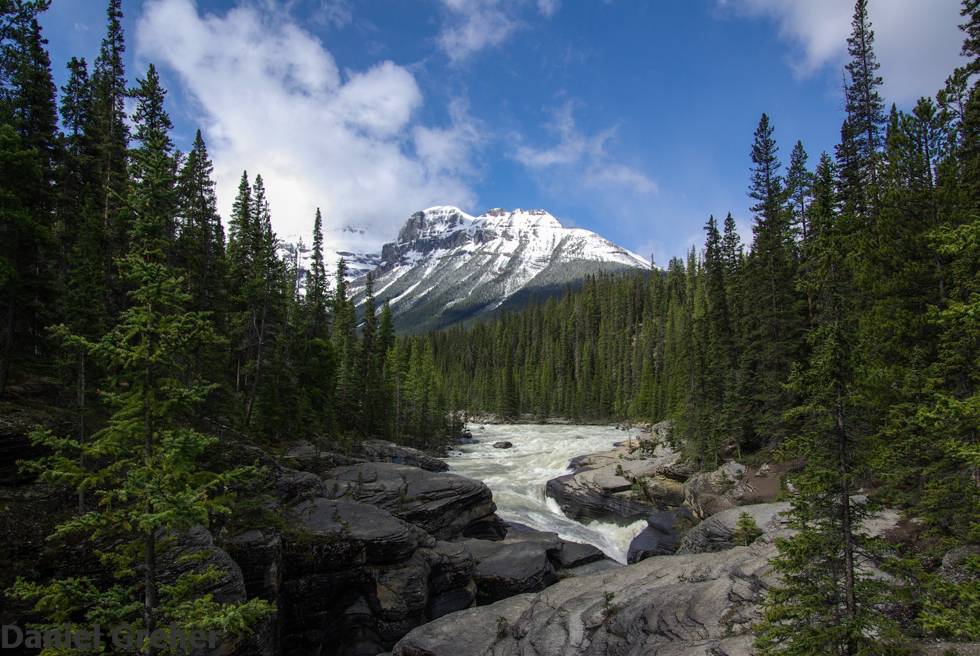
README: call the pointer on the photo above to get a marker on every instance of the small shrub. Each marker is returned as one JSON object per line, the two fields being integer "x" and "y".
{"x": 747, "y": 530}
{"x": 608, "y": 607}
{"x": 503, "y": 627}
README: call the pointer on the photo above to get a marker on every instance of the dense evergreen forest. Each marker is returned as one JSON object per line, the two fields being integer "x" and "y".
{"x": 845, "y": 335}
{"x": 288, "y": 359}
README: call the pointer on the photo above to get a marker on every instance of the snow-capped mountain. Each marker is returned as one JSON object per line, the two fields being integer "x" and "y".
{"x": 447, "y": 266}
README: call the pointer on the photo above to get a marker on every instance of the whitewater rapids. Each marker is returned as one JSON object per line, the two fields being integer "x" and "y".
{"x": 517, "y": 477}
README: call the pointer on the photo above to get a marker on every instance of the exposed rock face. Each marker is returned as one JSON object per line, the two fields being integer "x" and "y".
{"x": 954, "y": 567}
{"x": 444, "y": 505}
{"x": 713, "y": 492}
{"x": 693, "y": 603}
{"x": 525, "y": 561}
{"x": 715, "y": 533}
{"x": 502, "y": 445}
{"x": 382, "y": 451}
{"x": 669, "y": 605}
{"x": 597, "y": 493}
{"x": 367, "y": 556}
{"x": 625, "y": 484}
{"x": 662, "y": 535}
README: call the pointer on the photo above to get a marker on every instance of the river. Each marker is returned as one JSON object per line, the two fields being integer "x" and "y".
{"x": 517, "y": 477}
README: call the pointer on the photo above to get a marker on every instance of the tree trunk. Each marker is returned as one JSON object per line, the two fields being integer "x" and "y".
{"x": 8, "y": 348}
{"x": 149, "y": 556}
{"x": 258, "y": 361}
{"x": 81, "y": 424}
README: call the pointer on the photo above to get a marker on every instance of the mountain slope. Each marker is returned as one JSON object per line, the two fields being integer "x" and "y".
{"x": 447, "y": 266}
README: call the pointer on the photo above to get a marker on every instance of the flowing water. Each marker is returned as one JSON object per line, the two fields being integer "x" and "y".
{"x": 517, "y": 477}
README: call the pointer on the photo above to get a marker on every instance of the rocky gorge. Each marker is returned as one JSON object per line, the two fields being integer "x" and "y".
{"x": 383, "y": 551}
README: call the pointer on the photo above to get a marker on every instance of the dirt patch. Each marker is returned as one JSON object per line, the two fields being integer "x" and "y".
{"x": 766, "y": 481}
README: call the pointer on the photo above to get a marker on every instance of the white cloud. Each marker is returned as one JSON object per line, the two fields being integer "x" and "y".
{"x": 337, "y": 12}
{"x": 917, "y": 42}
{"x": 582, "y": 161}
{"x": 473, "y": 25}
{"x": 272, "y": 101}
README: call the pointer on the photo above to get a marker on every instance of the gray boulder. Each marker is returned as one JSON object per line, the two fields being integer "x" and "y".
{"x": 444, "y": 505}
{"x": 691, "y": 604}
{"x": 662, "y": 535}
{"x": 525, "y": 561}
{"x": 715, "y": 533}
{"x": 598, "y": 493}
{"x": 955, "y": 564}
{"x": 671, "y": 605}
{"x": 712, "y": 492}
{"x": 383, "y": 451}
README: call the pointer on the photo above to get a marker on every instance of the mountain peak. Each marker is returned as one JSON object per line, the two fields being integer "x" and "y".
{"x": 448, "y": 266}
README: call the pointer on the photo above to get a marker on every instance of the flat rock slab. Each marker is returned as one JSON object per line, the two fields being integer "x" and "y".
{"x": 466, "y": 634}
{"x": 663, "y": 606}
{"x": 597, "y": 493}
{"x": 685, "y": 604}
{"x": 384, "y": 451}
{"x": 443, "y": 505}
{"x": 343, "y": 533}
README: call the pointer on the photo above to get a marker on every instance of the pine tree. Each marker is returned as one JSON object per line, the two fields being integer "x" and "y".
{"x": 827, "y": 602}
{"x": 153, "y": 126}
{"x": 146, "y": 476}
{"x": 772, "y": 320}
{"x": 30, "y": 149}
{"x": 201, "y": 244}
{"x": 316, "y": 291}
{"x": 865, "y": 108}
{"x": 344, "y": 340}
{"x": 798, "y": 189}
{"x": 370, "y": 362}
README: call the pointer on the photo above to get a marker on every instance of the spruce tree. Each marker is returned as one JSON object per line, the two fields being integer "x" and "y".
{"x": 201, "y": 241}
{"x": 145, "y": 472}
{"x": 30, "y": 150}
{"x": 772, "y": 320}
{"x": 865, "y": 108}
{"x": 110, "y": 137}
{"x": 827, "y": 601}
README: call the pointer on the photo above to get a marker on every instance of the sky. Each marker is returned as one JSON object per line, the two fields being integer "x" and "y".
{"x": 631, "y": 118}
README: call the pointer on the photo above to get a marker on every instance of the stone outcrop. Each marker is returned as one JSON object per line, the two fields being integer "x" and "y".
{"x": 598, "y": 494}
{"x": 640, "y": 477}
{"x": 445, "y": 506}
{"x": 690, "y": 603}
{"x": 373, "y": 550}
{"x": 662, "y": 535}
{"x": 715, "y": 533}
{"x": 382, "y": 451}
{"x": 711, "y": 492}
{"x": 525, "y": 561}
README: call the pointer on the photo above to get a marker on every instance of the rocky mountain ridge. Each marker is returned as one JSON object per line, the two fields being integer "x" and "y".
{"x": 447, "y": 266}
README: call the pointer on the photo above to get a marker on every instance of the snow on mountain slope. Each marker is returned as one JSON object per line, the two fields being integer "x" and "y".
{"x": 447, "y": 266}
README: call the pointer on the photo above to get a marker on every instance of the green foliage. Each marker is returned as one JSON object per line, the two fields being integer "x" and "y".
{"x": 143, "y": 468}
{"x": 746, "y": 530}
{"x": 953, "y": 609}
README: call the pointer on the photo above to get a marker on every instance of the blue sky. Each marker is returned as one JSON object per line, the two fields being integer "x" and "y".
{"x": 627, "y": 117}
